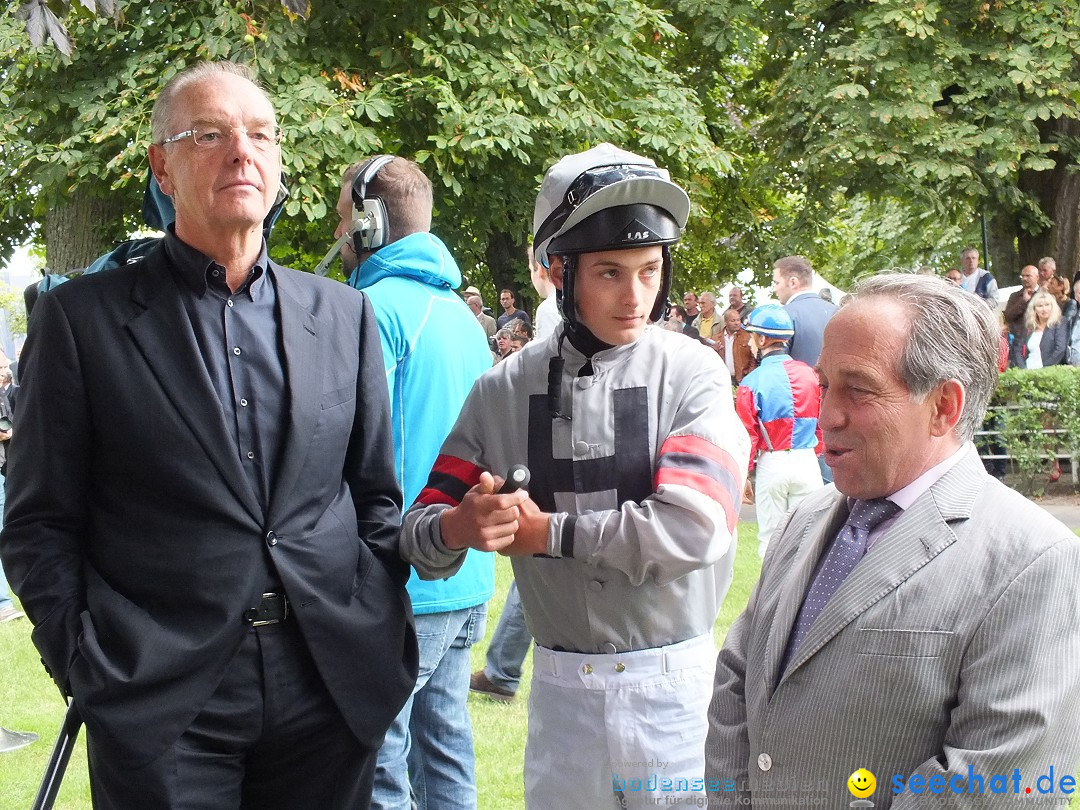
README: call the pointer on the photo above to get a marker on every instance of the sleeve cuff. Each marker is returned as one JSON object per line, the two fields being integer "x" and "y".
{"x": 561, "y": 535}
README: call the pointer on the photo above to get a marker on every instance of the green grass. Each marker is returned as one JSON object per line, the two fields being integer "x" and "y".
{"x": 29, "y": 701}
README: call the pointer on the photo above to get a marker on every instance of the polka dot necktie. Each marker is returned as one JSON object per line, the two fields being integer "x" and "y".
{"x": 843, "y": 555}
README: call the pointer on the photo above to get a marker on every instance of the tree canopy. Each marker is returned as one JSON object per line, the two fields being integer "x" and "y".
{"x": 936, "y": 108}
{"x": 484, "y": 95}
{"x": 864, "y": 135}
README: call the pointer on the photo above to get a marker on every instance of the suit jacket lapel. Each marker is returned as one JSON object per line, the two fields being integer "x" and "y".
{"x": 303, "y": 363}
{"x": 162, "y": 331}
{"x": 920, "y": 533}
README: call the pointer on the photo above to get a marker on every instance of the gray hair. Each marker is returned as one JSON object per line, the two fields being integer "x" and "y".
{"x": 200, "y": 71}
{"x": 953, "y": 336}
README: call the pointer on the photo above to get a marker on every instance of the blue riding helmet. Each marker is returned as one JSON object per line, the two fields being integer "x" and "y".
{"x": 771, "y": 320}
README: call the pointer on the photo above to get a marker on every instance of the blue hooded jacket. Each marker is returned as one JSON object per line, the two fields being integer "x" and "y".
{"x": 433, "y": 351}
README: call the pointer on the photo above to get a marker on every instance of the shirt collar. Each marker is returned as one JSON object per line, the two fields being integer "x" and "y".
{"x": 201, "y": 273}
{"x": 906, "y": 496}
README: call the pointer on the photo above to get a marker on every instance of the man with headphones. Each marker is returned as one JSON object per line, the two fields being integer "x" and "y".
{"x": 624, "y": 543}
{"x": 433, "y": 350}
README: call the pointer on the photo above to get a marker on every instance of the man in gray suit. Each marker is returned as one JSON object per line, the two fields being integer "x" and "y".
{"x": 947, "y": 660}
{"x": 793, "y": 277}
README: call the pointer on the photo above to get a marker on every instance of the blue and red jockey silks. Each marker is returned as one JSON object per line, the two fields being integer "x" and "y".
{"x": 778, "y": 403}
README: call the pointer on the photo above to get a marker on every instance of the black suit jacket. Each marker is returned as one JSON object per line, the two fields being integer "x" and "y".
{"x": 134, "y": 539}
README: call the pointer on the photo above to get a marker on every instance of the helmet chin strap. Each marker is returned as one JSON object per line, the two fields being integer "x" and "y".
{"x": 660, "y": 305}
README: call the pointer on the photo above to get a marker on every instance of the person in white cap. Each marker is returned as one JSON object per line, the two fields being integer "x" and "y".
{"x": 624, "y": 544}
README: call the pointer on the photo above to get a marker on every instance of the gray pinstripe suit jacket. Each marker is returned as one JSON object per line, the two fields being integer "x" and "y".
{"x": 955, "y": 643}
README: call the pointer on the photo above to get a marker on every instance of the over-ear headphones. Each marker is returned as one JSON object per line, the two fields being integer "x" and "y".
{"x": 370, "y": 222}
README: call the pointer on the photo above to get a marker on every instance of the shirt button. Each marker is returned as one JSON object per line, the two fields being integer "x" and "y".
{"x": 620, "y": 667}
{"x": 581, "y": 448}
{"x": 236, "y": 350}
{"x": 229, "y": 303}
{"x": 764, "y": 762}
{"x": 250, "y": 455}
{"x": 610, "y": 649}
{"x": 271, "y": 539}
{"x": 584, "y": 382}
{"x": 215, "y": 273}
{"x": 243, "y": 402}
{"x": 596, "y": 586}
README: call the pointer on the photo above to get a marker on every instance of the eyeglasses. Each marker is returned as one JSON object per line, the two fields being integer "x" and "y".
{"x": 211, "y": 136}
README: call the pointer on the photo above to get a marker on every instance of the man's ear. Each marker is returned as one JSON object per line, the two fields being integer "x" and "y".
{"x": 156, "y": 154}
{"x": 555, "y": 270}
{"x": 949, "y": 399}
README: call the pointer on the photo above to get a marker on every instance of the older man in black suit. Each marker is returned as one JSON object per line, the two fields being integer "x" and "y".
{"x": 203, "y": 517}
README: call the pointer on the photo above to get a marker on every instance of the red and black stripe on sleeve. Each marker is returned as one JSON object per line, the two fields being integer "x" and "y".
{"x": 449, "y": 480}
{"x": 691, "y": 461}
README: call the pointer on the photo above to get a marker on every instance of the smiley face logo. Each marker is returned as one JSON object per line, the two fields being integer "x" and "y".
{"x": 861, "y": 784}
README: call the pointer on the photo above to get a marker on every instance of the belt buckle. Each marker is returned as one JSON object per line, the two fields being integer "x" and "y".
{"x": 285, "y": 615}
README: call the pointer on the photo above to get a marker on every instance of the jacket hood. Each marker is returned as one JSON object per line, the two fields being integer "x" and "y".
{"x": 420, "y": 256}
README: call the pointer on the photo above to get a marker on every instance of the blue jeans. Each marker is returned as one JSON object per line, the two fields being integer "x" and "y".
{"x": 5, "y": 591}
{"x": 429, "y": 746}
{"x": 509, "y": 644}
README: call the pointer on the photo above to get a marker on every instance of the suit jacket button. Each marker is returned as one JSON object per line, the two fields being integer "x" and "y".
{"x": 271, "y": 539}
{"x": 764, "y": 761}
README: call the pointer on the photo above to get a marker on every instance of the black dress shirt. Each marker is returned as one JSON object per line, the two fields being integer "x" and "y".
{"x": 239, "y": 338}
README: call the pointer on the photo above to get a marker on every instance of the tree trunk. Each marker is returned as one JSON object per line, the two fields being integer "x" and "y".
{"x": 506, "y": 259}
{"x": 1005, "y": 261}
{"x": 76, "y": 231}
{"x": 1057, "y": 191}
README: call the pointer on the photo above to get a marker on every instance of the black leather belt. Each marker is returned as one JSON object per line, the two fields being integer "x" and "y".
{"x": 273, "y": 608}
